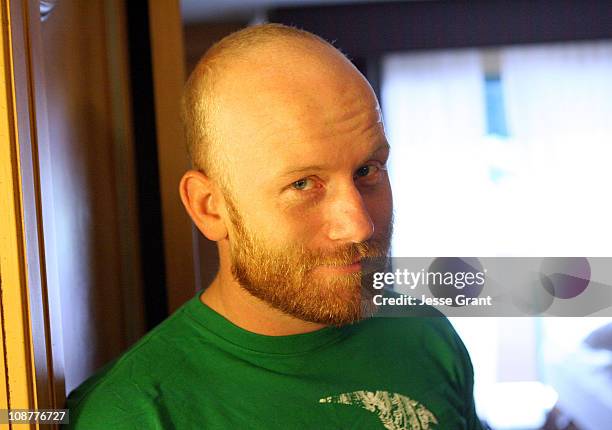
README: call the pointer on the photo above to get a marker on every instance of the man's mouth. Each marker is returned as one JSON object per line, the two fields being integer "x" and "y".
{"x": 352, "y": 267}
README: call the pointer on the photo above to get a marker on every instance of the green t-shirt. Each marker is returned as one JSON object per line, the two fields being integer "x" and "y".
{"x": 197, "y": 370}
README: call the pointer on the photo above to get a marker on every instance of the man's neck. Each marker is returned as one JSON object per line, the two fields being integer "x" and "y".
{"x": 226, "y": 297}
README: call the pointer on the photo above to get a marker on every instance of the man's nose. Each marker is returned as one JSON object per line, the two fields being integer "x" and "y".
{"x": 349, "y": 220}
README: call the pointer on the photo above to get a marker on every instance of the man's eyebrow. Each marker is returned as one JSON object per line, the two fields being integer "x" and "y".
{"x": 321, "y": 167}
{"x": 383, "y": 146}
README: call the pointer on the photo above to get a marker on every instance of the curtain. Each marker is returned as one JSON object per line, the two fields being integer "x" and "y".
{"x": 433, "y": 107}
{"x": 559, "y": 109}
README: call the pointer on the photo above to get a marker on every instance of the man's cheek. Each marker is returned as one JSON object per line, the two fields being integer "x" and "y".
{"x": 305, "y": 227}
{"x": 380, "y": 206}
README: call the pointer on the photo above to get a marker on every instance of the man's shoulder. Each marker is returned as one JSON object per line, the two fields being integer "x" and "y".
{"x": 398, "y": 311}
{"x": 108, "y": 397}
{"x": 123, "y": 390}
{"x": 104, "y": 400}
{"x": 419, "y": 333}
{"x": 416, "y": 323}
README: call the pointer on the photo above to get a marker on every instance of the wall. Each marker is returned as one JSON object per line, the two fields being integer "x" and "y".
{"x": 97, "y": 258}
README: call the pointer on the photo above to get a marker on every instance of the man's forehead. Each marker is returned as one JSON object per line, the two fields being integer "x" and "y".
{"x": 287, "y": 61}
{"x": 260, "y": 108}
{"x": 292, "y": 166}
{"x": 290, "y": 89}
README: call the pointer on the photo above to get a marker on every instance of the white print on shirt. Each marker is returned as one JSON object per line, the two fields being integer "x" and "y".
{"x": 395, "y": 411}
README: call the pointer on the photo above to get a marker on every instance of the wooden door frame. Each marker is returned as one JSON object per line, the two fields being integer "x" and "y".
{"x": 31, "y": 322}
{"x": 31, "y": 336}
{"x": 181, "y": 250}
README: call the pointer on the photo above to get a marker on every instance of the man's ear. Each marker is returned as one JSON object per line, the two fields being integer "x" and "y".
{"x": 203, "y": 201}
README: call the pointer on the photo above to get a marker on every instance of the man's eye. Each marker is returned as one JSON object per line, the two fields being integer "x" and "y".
{"x": 364, "y": 171}
{"x": 302, "y": 184}
{"x": 367, "y": 170}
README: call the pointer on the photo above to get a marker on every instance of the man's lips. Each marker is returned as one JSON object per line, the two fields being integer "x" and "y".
{"x": 355, "y": 266}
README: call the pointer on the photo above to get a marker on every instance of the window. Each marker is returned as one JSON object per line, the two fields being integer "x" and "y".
{"x": 503, "y": 152}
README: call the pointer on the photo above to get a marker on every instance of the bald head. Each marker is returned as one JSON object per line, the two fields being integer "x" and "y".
{"x": 259, "y": 81}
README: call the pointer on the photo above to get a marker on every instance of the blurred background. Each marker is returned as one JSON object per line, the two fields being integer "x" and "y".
{"x": 499, "y": 115}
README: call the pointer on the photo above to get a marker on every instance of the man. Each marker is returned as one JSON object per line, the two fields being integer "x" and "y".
{"x": 289, "y": 179}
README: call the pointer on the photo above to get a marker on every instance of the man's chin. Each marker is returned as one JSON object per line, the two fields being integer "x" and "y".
{"x": 340, "y": 307}
{"x": 349, "y": 269}
{"x": 366, "y": 310}
{"x": 320, "y": 296}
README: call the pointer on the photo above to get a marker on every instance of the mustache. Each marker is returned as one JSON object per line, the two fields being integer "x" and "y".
{"x": 347, "y": 254}
{"x": 374, "y": 248}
